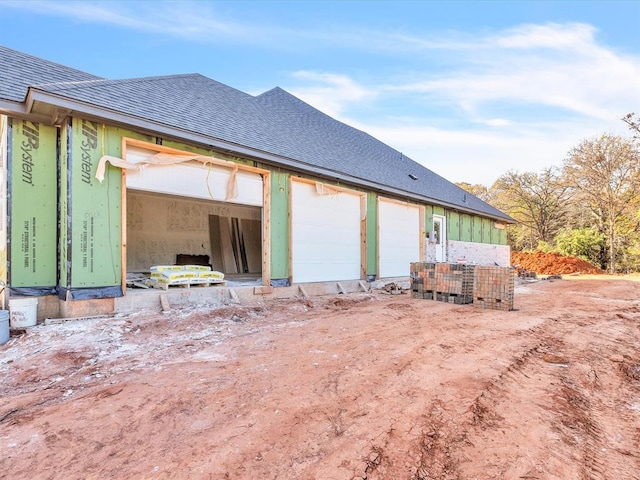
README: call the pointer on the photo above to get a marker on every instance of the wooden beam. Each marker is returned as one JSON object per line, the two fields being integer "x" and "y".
{"x": 423, "y": 235}
{"x": 164, "y": 302}
{"x": 363, "y": 236}
{"x": 266, "y": 229}
{"x": 174, "y": 151}
{"x": 290, "y": 229}
{"x": 123, "y": 219}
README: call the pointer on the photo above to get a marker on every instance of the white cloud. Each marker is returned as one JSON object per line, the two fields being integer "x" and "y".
{"x": 479, "y": 156}
{"x": 189, "y": 20}
{"x": 519, "y": 99}
{"x": 331, "y": 93}
{"x": 560, "y": 66}
{"x": 470, "y": 105}
{"x": 571, "y": 37}
{"x": 495, "y": 122}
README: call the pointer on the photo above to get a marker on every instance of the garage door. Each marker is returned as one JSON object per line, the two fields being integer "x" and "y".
{"x": 195, "y": 180}
{"x": 325, "y": 233}
{"x": 399, "y": 237}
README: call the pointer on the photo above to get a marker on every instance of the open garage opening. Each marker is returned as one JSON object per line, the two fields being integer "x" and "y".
{"x": 174, "y": 230}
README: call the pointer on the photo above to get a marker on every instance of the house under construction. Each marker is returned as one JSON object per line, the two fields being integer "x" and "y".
{"x": 105, "y": 179}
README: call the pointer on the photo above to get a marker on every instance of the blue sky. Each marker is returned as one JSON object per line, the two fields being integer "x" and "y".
{"x": 469, "y": 89}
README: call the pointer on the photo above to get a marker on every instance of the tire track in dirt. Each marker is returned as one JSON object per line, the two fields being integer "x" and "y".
{"x": 384, "y": 389}
{"x": 561, "y": 378}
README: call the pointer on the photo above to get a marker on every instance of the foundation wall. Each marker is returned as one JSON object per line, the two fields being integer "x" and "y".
{"x": 478, "y": 253}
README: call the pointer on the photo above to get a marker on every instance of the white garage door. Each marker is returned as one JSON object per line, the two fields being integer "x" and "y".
{"x": 325, "y": 231}
{"x": 195, "y": 180}
{"x": 398, "y": 238}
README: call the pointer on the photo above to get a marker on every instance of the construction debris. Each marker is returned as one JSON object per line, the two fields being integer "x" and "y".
{"x": 552, "y": 263}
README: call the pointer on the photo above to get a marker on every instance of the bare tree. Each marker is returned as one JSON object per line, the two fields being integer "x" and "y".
{"x": 606, "y": 173}
{"x": 634, "y": 124}
{"x": 477, "y": 190}
{"x": 538, "y": 201}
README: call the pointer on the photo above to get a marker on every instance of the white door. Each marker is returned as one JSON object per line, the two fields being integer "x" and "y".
{"x": 325, "y": 233}
{"x": 440, "y": 233}
{"x": 398, "y": 237}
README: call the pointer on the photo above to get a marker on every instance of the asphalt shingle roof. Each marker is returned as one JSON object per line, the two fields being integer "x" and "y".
{"x": 274, "y": 122}
{"x": 18, "y": 71}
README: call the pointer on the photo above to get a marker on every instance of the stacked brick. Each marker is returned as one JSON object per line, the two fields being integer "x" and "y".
{"x": 423, "y": 280}
{"x": 454, "y": 283}
{"x": 493, "y": 288}
{"x": 486, "y": 287}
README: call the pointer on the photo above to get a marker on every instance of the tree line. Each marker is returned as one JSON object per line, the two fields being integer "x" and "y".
{"x": 589, "y": 207}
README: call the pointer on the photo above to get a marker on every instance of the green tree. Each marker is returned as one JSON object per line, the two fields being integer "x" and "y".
{"x": 586, "y": 243}
{"x": 605, "y": 173}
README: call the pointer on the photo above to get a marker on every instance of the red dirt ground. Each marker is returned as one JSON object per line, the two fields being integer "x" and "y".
{"x": 552, "y": 263}
{"x": 362, "y": 386}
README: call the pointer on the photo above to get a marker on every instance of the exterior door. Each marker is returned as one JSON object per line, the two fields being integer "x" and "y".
{"x": 440, "y": 232}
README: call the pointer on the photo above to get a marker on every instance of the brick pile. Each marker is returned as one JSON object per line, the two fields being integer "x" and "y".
{"x": 423, "y": 280}
{"x": 493, "y": 287}
{"x": 454, "y": 283}
{"x": 486, "y": 287}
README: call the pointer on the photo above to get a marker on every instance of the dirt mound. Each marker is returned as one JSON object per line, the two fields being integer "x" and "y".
{"x": 552, "y": 263}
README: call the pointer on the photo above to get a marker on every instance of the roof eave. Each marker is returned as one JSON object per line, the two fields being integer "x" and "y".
{"x": 10, "y": 107}
{"x": 158, "y": 129}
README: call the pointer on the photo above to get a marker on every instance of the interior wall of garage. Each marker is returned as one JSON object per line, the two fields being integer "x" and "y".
{"x": 160, "y": 227}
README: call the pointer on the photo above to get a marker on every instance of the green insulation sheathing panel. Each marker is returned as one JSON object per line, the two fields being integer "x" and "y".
{"x": 486, "y": 230}
{"x": 94, "y": 210}
{"x": 279, "y": 225}
{"x": 453, "y": 226}
{"x": 33, "y": 204}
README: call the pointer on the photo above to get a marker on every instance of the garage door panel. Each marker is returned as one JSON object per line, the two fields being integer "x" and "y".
{"x": 210, "y": 182}
{"x": 325, "y": 235}
{"x": 398, "y": 237}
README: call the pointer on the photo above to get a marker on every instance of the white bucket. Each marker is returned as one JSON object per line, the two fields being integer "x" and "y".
{"x": 24, "y": 312}
{"x": 4, "y": 326}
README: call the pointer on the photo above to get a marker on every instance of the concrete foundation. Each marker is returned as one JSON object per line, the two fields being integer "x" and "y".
{"x": 152, "y": 299}
{"x": 180, "y": 297}
{"x": 478, "y": 253}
